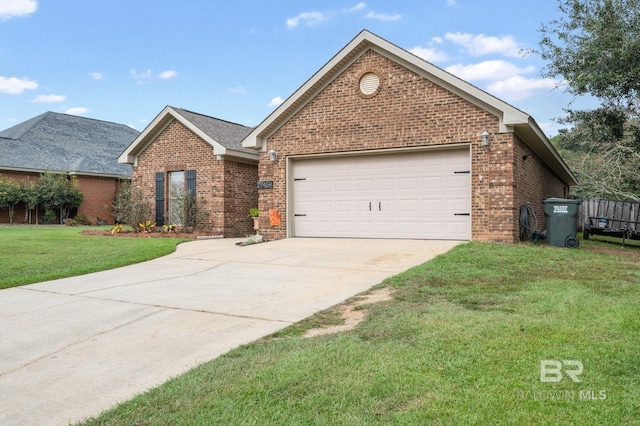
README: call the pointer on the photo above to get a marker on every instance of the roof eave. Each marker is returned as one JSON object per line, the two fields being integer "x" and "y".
{"x": 162, "y": 120}
{"x": 538, "y": 142}
{"x": 507, "y": 114}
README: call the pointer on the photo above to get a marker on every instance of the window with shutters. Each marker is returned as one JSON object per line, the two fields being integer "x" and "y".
{"x": 176, "y": 182}
{"x": 180, "y": 193}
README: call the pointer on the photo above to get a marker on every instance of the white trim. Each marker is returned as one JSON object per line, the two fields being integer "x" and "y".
{"x": 160, "y": 123}
{"x": 509, "y": 117}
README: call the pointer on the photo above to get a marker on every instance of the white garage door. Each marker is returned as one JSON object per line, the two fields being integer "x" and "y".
{"x": 419, "y": 195}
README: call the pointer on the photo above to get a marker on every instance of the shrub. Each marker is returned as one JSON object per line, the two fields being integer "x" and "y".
{"x": 131, "y": 207}
{"x": 82, "y": 219}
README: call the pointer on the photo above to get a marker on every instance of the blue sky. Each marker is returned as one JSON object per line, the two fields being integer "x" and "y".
{"x": 125, "y": 60}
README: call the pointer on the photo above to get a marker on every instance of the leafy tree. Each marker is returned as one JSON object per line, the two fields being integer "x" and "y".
{"x": 10, "y": 196}
{"x": 59, "y": 192}
{"x": 595, "y": 48}
{"x": 29, "y": 191}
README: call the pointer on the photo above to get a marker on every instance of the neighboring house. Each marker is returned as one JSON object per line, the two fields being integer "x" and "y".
{"x": 382, "y": 144}
{"x": 181, "y": 149}
{"x": 62, "y": 143}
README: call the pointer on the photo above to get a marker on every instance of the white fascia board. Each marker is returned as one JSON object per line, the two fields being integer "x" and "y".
{"x": 253, "y": 140}
{"x": 129, "y": 156}
{"x": 507, "y": 114}
{"x": 551, "y": 149}
{"x": 218, "y": 149}
{"x": 245, "y": 157}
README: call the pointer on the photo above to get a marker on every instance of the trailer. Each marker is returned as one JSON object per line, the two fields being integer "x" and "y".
{"x": 612, "y": 218}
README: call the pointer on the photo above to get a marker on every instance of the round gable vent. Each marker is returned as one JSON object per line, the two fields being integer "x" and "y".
{"x": 369, "y": 84}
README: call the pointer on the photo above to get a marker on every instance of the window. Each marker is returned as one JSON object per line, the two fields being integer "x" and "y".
{"x": 176, "y": 197}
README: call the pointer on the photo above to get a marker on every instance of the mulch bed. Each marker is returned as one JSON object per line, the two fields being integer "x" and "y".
{"x": 154, "y": 234}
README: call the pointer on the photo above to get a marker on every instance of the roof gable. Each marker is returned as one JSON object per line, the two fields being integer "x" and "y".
{"x": 62, "y": 142}
{"x": 510, "y": 119}
{"x": 224, "y": 136}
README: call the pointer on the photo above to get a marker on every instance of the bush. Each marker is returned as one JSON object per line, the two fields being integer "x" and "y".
{"x": 131, "y": 207}
{"x": 82, "y": 219}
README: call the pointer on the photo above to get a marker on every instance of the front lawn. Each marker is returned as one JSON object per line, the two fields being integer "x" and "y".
{"x": 462, "y": 342}
{"x": 30, "y": 254}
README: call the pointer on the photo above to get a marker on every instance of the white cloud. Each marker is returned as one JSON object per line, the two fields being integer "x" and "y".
{"x": 276, "y": 101}
{"x": 16, "y": 86}
{"x": 478, "y": 45}
{"x": 517, "y": 87}
{"x": 146, "y": 74}
{"x": 429, "y": 54}
{"x": 166, "y": 75}
{"x": 451, "y": 2}
{"x": 12, "y": 8}
{"x": 488, "y": 70}
{"x": 238, "y": 90}
{"x": 307, "y": 18}
{"x": 358, "y": 6}
{"x": 47, "y": 99}
{"x": 77, "y": 111}
{"x": 383, "y": 16}
{"x": 96, "y": 75}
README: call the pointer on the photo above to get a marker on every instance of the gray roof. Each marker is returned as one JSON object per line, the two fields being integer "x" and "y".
{"x": 224, "y": 136}
{"x": 226, "y": 133}
{"x": 61, "y": 142}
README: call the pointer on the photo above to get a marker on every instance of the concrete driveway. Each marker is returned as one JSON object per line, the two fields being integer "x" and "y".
{"x": 74, "y": 347}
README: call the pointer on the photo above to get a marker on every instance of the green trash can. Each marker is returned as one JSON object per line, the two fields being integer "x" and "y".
{"x": 562, "y": 221}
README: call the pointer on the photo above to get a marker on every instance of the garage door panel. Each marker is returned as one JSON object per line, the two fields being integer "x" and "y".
{"x": 434, "y": 183}
{"x": 344, "y": 185}
{"x": 409, "y": 183}
{"x": 408, "y": 195}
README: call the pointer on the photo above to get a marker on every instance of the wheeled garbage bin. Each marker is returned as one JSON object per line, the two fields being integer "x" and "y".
{"x": 562, "y": 221}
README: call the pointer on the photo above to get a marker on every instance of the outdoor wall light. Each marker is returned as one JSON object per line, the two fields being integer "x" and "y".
{"x": 486, "y": 138}
{"x": 273, "y": 156}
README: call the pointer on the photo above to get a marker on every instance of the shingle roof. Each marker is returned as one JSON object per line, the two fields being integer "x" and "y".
{"x": 228, "y": 134}
{"x": 61, "y": 142}
{"x": 224, "y": 136}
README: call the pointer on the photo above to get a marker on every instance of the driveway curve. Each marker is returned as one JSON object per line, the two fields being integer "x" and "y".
{"x": 74, "y": 347}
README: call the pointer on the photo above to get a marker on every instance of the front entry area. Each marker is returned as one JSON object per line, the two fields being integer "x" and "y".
{"x": 411, "y": 195}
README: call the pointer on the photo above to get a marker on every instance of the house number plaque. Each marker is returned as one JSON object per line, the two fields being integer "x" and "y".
{"x": 265, "y": 184}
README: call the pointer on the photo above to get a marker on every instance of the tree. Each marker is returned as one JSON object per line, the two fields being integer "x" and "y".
{"x": 10, "y": 196}
{"x": 59, "y": 192}
{"x": 29, "y": 192}
{"x": 595, "y": 49}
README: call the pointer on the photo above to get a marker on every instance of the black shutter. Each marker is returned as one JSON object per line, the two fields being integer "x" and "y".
{"x": 159, "y": 198}
{"x": 190, "y": 176}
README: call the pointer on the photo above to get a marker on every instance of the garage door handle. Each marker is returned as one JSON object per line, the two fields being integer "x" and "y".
{"x": 379, "y": 205}
{"x": 299, "y": 214}
{"x": 369, "y": 205}
{"x": 462, "y": 214}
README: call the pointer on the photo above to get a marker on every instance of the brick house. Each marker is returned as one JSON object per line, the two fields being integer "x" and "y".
{"x": 181, "y": 149}
{"x": 380, "y": 143}
{"x": 61, "y": 143}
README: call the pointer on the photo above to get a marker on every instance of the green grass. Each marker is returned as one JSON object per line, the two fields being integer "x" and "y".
{"x": 30, "y": 254}
{"x": 460, "y": 343}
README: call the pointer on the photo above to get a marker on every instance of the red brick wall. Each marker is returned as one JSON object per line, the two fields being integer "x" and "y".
{"x": 535, "y": 182}
{"x": 99, "y": 193}
{"x": 177, "y": 148}
{"x": 408, "y": 111}
{"x": 240, "y": 195}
